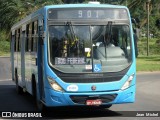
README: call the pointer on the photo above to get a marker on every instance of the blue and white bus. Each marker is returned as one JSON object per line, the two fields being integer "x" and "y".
{"x": 75, "y": 55}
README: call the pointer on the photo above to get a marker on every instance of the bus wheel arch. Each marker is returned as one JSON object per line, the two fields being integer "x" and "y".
{"x": 39, "y": 105}
{"x": 18, "y": 88}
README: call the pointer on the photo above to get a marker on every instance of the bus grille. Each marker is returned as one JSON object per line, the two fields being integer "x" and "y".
{"x": 81, "y": 99}
{"x": 82, "y": 79}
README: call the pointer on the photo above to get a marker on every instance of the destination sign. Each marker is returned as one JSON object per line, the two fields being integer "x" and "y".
{"x": 69, "y": 61}
{"x": 88, "y": 13}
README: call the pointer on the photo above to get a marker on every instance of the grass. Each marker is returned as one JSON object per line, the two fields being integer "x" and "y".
{"x": 4, "y": 54}
{"x": 151, "y": 62}
{"x": 148, "y": 63}
{"x": 4, "y": 48}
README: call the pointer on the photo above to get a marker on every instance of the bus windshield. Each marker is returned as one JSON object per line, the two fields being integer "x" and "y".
{"x": 89, "y": 48}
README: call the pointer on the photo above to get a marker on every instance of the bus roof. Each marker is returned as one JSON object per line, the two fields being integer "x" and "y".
{"x": 85, "y": 5}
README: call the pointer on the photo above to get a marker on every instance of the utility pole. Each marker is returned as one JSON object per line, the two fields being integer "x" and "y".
{"x": 148, "y": 4}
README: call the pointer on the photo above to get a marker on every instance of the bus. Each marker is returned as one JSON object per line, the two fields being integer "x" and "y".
{"x": 75, "y": 55}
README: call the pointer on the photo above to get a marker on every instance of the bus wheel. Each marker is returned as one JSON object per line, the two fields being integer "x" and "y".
{"x": 39, "y": 105}
{"x": 18, "y": 88}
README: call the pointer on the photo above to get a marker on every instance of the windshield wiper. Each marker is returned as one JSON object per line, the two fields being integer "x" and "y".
{"x": 69, "y": 24}
{"x": 73, "y": 36}
{"x": 109, "y": 36}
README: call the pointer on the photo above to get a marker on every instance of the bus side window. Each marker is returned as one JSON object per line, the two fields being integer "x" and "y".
{"x": 30, "y": 37}
{"x": 35, "y": 36}
{"x": 27, "y": 38}
{"x": 18, "y": 39}
{"x": 15, "y": 41}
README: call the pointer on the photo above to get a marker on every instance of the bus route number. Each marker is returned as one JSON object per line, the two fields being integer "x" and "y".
{"x": 87, "y": 14}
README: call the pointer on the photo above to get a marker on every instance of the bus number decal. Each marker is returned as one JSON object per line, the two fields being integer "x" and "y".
{"x": 89, "y": 14}
{"x": 96, "y": 14}
{"x": 73, "y": 88}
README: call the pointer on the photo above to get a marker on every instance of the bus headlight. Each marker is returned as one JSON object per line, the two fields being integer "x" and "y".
{"x": 54, "y": 84}
{"x": 128, "y": 82}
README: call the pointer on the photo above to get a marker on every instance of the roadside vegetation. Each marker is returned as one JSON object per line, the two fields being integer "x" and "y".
{"x": 148, "y": 63}
{"x": 4, "y": 44}
{"x": 151, "y": 62}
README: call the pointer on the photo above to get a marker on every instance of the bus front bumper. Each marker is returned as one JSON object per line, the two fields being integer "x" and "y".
{"x": 54, "y": 98}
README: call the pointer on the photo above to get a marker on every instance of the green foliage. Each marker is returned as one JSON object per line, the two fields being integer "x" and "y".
{"x": 4, "y": 47}
{"x": 4, "y": 36}
{"x": 4, "y": 43}
{"x": 154, "y": 48}
{"x": 11, "y": 11}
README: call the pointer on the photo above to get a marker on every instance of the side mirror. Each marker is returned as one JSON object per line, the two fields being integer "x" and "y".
{"x": 136, "y": 29}
{"x": 134, "y": 22}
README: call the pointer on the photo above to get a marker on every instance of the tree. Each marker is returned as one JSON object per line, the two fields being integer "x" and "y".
{"x": 11, "y": 11}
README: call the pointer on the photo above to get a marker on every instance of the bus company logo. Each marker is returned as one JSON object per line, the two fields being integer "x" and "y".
{"x": 6, "y": 114}
{"x": 93, "y": 87}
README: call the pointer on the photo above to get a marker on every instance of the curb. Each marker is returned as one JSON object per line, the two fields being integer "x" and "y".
{"x": 4, "y": 56}
{"x": 148, "y": 72}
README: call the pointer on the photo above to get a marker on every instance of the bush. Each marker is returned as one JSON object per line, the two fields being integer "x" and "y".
{"x": 4, "y": 35}
{"x": 4, "y": 43}
{"x": 158, "y": 42}
{"x": 4, "y": 46}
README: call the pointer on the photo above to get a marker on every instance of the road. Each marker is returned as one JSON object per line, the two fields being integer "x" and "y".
{"x": 147, "y": 99}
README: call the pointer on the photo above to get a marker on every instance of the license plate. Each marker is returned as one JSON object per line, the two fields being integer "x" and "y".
{"x": 93, "y": 102}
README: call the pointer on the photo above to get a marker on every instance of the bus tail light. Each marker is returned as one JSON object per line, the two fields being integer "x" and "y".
{"x": 128, "y": 82}
{"x": 54, "y": 84}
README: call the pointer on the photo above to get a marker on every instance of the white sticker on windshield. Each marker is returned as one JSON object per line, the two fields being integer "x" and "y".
{"x": 87, "y": 49}
{"x": 88, "y": 67}
{"x": 72, "y": 88}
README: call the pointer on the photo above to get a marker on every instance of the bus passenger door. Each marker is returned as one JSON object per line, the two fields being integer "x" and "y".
{"x": 40, "y": 60}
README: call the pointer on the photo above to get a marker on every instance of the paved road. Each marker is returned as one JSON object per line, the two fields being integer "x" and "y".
{"x": 147, "y": 99}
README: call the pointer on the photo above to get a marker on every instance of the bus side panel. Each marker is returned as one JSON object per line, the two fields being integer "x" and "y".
{"x": 28, "y": 70}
